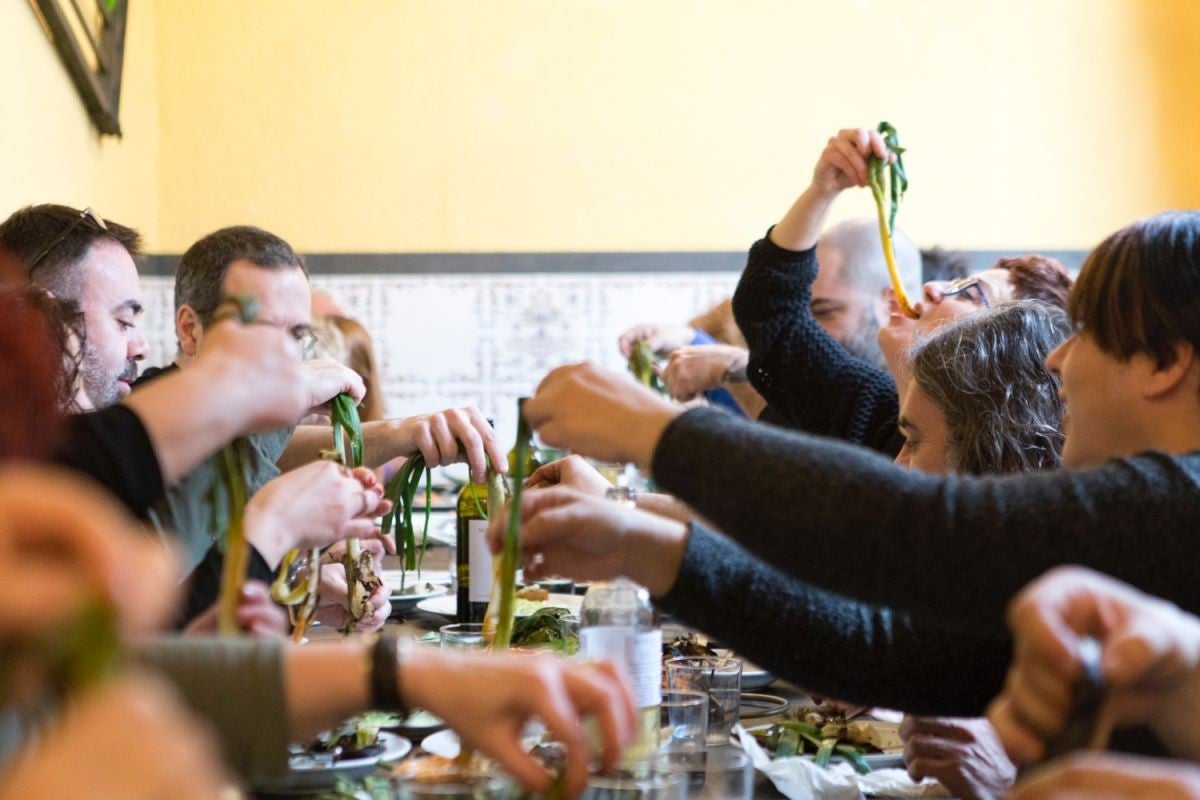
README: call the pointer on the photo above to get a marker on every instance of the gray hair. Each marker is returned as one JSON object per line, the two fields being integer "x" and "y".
{"x": 864, "y": 266}
{"x": 987, "y": 374}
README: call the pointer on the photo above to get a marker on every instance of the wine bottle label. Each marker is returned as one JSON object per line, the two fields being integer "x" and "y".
{"x": 480, "y": 561}
{"x": 639, "y": 653}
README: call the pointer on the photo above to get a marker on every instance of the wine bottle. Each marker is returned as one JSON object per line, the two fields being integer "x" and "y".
{"x": 473, "y": 559}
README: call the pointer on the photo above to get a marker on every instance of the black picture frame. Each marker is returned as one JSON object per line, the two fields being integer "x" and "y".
{"x": 98, "y": 79}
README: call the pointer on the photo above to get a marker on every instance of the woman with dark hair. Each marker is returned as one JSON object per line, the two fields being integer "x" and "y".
{"x": 981, "y": 399}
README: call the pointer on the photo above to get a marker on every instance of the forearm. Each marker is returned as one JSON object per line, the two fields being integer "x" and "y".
{"x": 306, "y": 445}
{"x": 798, "y": 368}
{"x": 821, "y": 510}
{"x": 664, "y": 505}
{"x": 801, "y": 226}
{"x": 897, "y": 662}
{"x": 325, "y": 682}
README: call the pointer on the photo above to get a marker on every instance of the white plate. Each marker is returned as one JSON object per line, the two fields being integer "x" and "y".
{"x": 447, "y": 605}
{"x": 885, "y": 760}
{"x": 443, "y": 743}
{"x": 303, "y": 776}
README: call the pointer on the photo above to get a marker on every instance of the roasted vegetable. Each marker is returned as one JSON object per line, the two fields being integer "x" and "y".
{"x": 795, "y": 737}
{"x": 230, "y": 494}
{"x": 361, "y": 579}
{"x": 510, "y": 556}
{"x": 892, "y": 190}
{"x": 641, "y": 364}
{"x": 543, "y": 628}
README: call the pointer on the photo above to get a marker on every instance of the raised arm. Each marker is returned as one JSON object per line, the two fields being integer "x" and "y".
{"x": 800, "y": 370}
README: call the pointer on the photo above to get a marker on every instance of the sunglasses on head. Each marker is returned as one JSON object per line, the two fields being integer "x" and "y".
{"x": 86, "y": 215}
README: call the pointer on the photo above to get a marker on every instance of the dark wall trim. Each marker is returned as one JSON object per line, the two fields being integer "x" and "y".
{"x": 508, "y": 263}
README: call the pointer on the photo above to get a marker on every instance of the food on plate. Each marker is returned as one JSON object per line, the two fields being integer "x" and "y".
{"x": 826, "y": 734}
{"x": 357, "y": 737}
{"x": 543, "y": 629}
{"x": 535, "y": 593}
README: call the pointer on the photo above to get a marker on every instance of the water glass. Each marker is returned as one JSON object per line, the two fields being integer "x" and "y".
{"x": 718, "y": 677}
{"x": 716, "y": 773}
{"x": 462, "y": 636}
{"x": 683, "y": 720}
{"x": 467, "y": 787}
{"x": 663, "y": 786}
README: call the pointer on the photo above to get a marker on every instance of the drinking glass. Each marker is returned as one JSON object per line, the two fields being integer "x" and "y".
{"x": 714, "y": 773}
{"x": 462, "y": 636}
{"x": 665, "y": 786}
{"x": 467, "y": 787}
{"x": 718, "y": 677}
{"x": 683, "y": 721}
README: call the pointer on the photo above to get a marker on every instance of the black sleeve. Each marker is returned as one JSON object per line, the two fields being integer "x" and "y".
{"x": 831, "y": 644}
{"x": 807, "y": 377}
{"x": 203, "y": 586}
{"x": 113, "y": 448}
{"x": 953, "y": 549}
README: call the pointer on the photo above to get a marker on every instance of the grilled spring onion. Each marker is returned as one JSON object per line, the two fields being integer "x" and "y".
{"x": 74, "y": 656}
{"x": 401, "y": 490}
{"x": 230, "y": 493}
{"x": 361, "y": 578}
{"x": 295, "y": 586}
{"x": 510, "y": 556}
{"x": 897, "y": 183}
{"x": 641, "y": 364}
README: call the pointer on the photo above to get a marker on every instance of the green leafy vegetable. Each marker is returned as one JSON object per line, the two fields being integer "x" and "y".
{"x": 891, "y": 191}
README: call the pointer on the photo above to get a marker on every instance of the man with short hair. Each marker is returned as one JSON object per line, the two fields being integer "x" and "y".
{"x": 249, "y": 261}
{"x": 248, "y": 380}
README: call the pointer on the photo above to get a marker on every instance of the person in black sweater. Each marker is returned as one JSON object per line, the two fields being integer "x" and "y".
{"x": 950, "y": 551}
{"x": 809, "y": 381}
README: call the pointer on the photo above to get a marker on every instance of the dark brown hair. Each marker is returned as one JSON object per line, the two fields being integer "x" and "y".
{"x": 200, "y": 278}
{"x": 28, "y": 232}
{"x": 1139, "y": 290}
{"x": 1035, "y": 277}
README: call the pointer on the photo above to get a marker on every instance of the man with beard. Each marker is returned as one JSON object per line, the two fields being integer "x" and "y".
{"x": 798, "y": 364}
{"x": 847, "y": 300}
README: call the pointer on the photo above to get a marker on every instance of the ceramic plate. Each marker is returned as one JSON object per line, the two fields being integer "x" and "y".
{"x": 447, "y": 605}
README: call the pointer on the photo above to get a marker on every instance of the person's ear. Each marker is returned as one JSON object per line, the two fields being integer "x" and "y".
{"x": 189, "y": 330}
{"x": 1165, "y": 380}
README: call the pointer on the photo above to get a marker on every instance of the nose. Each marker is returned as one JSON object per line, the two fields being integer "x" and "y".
{"x": 1055, "y": 359}
{"x": 138, "y": 347}
{"x": 933, "y": 291}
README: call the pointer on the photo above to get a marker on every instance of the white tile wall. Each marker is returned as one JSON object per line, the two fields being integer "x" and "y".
{"x": 452, "y": 340}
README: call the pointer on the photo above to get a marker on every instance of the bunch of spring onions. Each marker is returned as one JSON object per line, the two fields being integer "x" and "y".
{"x": 402, "y": 491}
{"x": 641, "y": 364}
{"x": 230, "y": 493}
{"x": 891, "y": 189}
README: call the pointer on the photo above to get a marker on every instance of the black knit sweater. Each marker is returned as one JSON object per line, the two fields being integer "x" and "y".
{"x": 811, "y": 382}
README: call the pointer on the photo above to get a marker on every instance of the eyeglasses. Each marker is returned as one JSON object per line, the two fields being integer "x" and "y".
{"x": 86, "y": 214}
{"x": 964, "y": 286}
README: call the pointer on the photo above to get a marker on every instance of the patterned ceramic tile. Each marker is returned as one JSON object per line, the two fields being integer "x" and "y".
{"x": 485, "y": 340}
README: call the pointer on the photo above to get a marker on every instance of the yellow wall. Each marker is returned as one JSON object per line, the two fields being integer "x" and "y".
{"x": 50, "y": 152}
{"x": 451, "y": 125}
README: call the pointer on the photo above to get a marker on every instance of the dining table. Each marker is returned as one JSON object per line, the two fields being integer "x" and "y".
{"x": 411, "y": 620}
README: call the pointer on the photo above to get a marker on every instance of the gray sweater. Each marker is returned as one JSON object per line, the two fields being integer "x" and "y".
{"x": 950, "y": 552}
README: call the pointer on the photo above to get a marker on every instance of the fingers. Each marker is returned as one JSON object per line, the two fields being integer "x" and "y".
{"x": 603, "y": 689}
{"x": 498, "y": 454}
{"x": 258, "y": 615}
{"x": 545, "y": 475}
{"x": 557, "y": 709}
